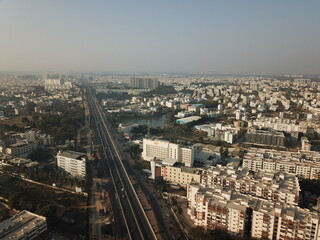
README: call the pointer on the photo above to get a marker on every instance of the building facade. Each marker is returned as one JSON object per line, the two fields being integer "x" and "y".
{"x": 162, "y": 149}
{"x": 72, "y": 162}
{"x": 144, "y": 83}
{"x": 304, "y": 164}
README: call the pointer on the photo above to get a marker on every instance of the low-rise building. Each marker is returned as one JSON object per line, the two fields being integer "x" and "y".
{"x": 24, "y": 225}
{"x": 72, "y": 162}
{"x": 20, "y": 149}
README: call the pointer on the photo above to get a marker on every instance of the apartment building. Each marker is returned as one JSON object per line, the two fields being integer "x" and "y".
{"x": 277, "y": 124}
{"x": 214, "y": 208}
{"x": 277, "y": 221}
{"x": 241, "y": 215}
{"x": 162, "y": 149}
{"x": 72, "y": 162}
{"x": 24, "y": 225}
{"x": 146, "y": 83}
{"x": 280, "y": 187}
{"x": 272, "y": 138}
{"x": 304, "y": 164}
{"x": 19, "y": 149}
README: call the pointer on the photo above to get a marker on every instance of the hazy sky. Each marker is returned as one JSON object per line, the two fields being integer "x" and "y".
{"x": 262, "y": 36}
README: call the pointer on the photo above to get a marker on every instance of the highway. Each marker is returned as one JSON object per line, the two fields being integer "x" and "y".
{"x": 135, "y": 222}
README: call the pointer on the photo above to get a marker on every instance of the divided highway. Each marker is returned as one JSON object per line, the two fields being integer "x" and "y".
{"x": 135, "y": 220}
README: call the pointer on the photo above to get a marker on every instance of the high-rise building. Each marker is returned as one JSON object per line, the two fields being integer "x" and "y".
{"x": 146, "y": 83}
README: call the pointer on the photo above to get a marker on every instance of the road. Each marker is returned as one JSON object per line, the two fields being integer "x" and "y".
{"x": 126, "y": 202}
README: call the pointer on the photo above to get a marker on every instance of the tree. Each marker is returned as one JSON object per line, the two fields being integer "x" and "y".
{"x": 25, "y": 120}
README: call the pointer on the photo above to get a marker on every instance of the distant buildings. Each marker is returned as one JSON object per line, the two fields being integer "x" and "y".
{"x": 72, "y": 162}
{"x": 304, "y": 164}
{"x": 161, "y": 149}
{"x": 24, "y": 225}
{"x": 56, "y": 83}
{"x": 147, "y": 83}
{"x": 272, "y": 138}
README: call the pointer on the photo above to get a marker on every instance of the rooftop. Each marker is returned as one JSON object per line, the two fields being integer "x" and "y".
{"x": 16, "y": 226}
{"x": 72, "y": 154}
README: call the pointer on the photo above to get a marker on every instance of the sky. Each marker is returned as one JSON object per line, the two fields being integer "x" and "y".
{"x": 200, "y": 36}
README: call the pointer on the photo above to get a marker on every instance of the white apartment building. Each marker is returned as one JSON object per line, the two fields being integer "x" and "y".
{"x": 20, "y": 149}
{"x": 217, "y": 131}
{"x": 213, "y": 208}
{"x": 276, "y": 221}
{"x": 72, "y": 162}
{"x": 280, "y": 187}
{"x": 302, "y": 163}
{"x": 24, "y": 225}
{"x": 246, "y": 215}
{"x": 162, "y": 149}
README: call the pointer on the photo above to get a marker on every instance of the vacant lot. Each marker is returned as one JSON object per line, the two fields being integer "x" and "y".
{"x": 65, "y": 211}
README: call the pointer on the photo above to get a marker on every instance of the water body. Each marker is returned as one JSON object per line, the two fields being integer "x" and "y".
{"x": 153, "y": 122}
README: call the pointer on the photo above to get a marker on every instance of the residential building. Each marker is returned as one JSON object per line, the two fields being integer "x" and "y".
{"x": 147, "y": 83}
{"x": 257, "y": 218}
{"x": 19, "y": 149}
{"x": 280, "y": 187}
{"x": 72, "y": 162}
{"x": 24, "y": 225}
{"x": 265, "y": 137}
{"x": 304, "y": 164}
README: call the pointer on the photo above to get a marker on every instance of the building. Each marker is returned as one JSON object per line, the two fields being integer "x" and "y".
{"x": 304, "y": 164}
{"x": 24, "y": 225}
{"x": 20, "y": 149}
{"x": 54, "y": 84}
{"x": 280, "y": 187}
{"x": 257, "y": 218}
{"x": 72, "y": 162}
{"x": 180, "y": 175}
{"x": 277, "y": 124}
{"x": 126, "y": 128}
{"x": 161, "y": 149}
{"x": 144, "y": 83}
{"x": 277, "y": 221}
{"x": 272, "y": 138}
{"x": 214, "y": 208}
{"x": 187, "y": 120}
{"x": 305, "y": 144}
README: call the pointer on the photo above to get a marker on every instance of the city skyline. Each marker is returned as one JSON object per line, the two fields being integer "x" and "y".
{"x": 191, "y": 37}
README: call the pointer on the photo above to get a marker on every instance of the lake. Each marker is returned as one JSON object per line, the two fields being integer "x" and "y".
{"x": 153, "y": 122}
